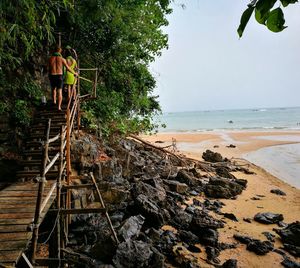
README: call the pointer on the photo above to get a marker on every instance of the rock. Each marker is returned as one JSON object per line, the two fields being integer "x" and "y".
{"x": 269, "y": 236}
{"x": 282, "y": 224}
{"x": 224, "y": 173}
{"x": 230, "y": 216}
{"x": 260, "y": 247}
{"x": 166, "y": 242}
{"x": 231, "y": 263}
{"x": 103, "y": 250}
{"x": 176, "y": 186}
{"x": 294, "y": 250}
{"x": 255, "y": 245}
{"x": 210, "y": 156}
{"x": 249, "y": 220}
{"x": 114, "y": 194}
{"x": 288, "y": 263}
{"x": 188, "y": 237}
{"x": 155, "y": 194}
{"x": 222, "y": 188}
{"x": 268, "y": 217}
{"x": 181, "y": 219}
{"x": 212, "y": 254}
{"x": 209, "y": 237}
{"x": 277, "y": 191}
{"x": 194, "y": 193}
{"x": 231, "y": 146}
{"x": 137, "y": 254}
{"x": 131, "y": 227}
{"x": 149, "y": 210}
{"x": 186, "y": 177}
{"x": 290, "y": 234}
{"x": 202, "y": 221}
{"x": 242, "y": 238}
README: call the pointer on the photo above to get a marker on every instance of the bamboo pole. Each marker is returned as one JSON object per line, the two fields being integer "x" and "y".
{"x": 106, "y": 213}
{"x": 42, "y": 181}
{"x": 58, "y": 191}
{"x": 68, "y": 156}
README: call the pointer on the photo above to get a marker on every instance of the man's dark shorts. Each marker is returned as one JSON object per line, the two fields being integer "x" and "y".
{"x": 56, "y": 81}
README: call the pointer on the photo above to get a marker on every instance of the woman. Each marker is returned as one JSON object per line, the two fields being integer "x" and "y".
{"x": 69, "y": 79}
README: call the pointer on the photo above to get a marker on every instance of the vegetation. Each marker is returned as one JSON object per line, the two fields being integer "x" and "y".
{"x": 266, "y": 14}
{"x": 119, "y": 37}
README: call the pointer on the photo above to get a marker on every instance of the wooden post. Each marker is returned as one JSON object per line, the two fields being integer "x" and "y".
{"x": 42, "y": 181}
{"x": 96, "y": 82}
{"x": 60, "y": 243}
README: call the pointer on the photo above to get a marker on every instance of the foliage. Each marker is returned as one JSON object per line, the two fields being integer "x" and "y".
{"x": 120, "y": 37}
{"x": 22, "y": 112}
{"x": 265, "y": 14}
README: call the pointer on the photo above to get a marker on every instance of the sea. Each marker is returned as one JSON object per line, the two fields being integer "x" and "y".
{"x": 239, "y": 119}
{"x": 283, "y": 161}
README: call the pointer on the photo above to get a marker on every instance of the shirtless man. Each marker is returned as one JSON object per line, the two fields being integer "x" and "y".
{"x": 55, "y": 67}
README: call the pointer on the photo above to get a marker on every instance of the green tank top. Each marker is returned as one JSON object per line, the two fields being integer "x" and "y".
{"x": 69, "y": 77}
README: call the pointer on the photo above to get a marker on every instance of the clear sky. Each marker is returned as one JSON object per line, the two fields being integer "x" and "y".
{"x": 207, "y": 66}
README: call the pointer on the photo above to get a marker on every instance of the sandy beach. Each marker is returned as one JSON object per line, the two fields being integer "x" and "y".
{"x": 259, "y": 186}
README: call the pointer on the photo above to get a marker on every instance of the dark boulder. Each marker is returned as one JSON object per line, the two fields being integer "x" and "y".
{"x": 209, "y": 237}
{"x": 188, "y": 237}
{"x": 131, "y": 227}
{"x": 291, "y": 234}
{"x": 149, "y": 210}
{"x": 288, "y": 263}
{"x": 268, "y": 217}
{"x": 231, "y": 263}
{"x": 255, "y": 245}
{"x": 186, "y": 177}
{"x": 212, "y": 254}
{"x": 210, "y": 156}
{"x": 269, "y": 236}
{"x": 181, "y": 219}
{"x": 294, "y": 250}
{"x": 260, "y": 247}
{"x": 135, "y": 254}
{"x": 223, "y": 188}
{"x": 176, "y": 186}
{"x": 155, "y": 194}
{"x": 277, "y": 191}
{"x": 224, "y": 173}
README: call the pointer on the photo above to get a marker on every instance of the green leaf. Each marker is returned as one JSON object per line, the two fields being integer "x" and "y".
{"x": 275, "y": 21}
{"x": 259, "y": 18}
{"x": 263, "y": 7}
{"x": 285, "y": 3}
{"x": 244, "y": 20}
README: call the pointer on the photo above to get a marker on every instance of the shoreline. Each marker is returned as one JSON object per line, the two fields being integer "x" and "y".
{"x": 247, "y": 143}
{"x": 254, "y": 199}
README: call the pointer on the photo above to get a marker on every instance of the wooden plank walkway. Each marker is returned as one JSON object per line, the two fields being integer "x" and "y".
{"x": 17, "y": 207}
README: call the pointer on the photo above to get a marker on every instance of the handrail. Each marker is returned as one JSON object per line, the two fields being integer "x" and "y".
{"x": 47, "y": 168}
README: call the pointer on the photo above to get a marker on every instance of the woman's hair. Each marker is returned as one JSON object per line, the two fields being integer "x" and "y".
{"x": 57, "y": 48}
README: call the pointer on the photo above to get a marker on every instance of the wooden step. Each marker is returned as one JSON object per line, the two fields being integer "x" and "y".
{"x": 32, "y": 174}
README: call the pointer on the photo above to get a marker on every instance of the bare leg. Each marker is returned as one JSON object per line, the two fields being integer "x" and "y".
{"x": 54, "y": 95}
{"x": 69, "y": 92}
{"x": 59, "y": 98}
{"x": 74, "y": 91}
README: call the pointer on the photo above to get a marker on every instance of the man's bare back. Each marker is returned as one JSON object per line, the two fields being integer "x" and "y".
{"x": 55, "y": 65}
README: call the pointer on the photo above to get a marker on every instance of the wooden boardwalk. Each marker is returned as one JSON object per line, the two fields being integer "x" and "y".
{"x": 17, "y": 208}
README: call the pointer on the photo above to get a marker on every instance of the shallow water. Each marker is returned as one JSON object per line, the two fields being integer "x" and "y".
{"x": 282, "y": 161}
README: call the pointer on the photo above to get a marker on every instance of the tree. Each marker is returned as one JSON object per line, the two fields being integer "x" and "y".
{"x": 266, "y": 14}
{"x": 120, "y": 37}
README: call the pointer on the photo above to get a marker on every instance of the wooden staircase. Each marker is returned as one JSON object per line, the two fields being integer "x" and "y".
{"x": 32, "y": 151}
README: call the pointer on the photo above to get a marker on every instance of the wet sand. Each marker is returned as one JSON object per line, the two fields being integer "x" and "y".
{"x": 259, "y": 184}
